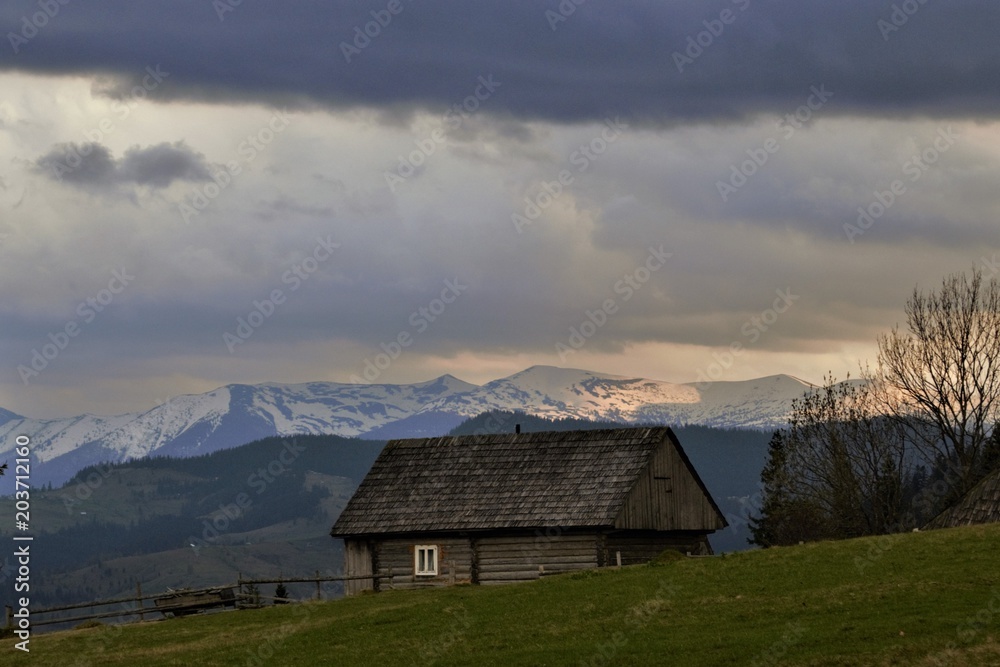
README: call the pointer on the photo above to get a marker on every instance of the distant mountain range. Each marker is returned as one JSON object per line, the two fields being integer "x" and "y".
{"x": 237, "y": 414}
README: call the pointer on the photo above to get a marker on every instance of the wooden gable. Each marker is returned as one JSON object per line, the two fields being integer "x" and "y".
{"x": 669, "y": 495}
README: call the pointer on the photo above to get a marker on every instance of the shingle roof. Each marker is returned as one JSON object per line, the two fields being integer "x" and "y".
{"x": 528, "y": 480}
{"x": 980, "y": 505}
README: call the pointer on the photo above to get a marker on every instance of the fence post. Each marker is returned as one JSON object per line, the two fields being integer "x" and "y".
{"x": 9, "y": 620}
{"x": 138, "y": 600}
{"x": 319, "y": 591}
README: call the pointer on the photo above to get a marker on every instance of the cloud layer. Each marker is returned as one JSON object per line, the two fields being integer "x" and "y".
{"x": 635, "y": 189}
{"x": 660, "y": 63}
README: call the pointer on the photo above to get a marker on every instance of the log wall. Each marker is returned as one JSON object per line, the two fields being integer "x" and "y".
{"x": 395, "y": 567}
{"x": 524, "y": 557}
{"x": 502, "y": 558}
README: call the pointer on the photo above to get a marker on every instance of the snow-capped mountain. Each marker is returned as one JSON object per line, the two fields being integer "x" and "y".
{"x": 236, "y": 414}
{"x": 562, "y": 392}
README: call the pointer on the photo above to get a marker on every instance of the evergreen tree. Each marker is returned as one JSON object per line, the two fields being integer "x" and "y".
{"x": 785, "y": 517}
{"x": 251, "y": 595}
{"x": 762, "y": 527}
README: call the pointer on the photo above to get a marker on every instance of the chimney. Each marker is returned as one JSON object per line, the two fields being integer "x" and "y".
{"x": 517, "y": 428}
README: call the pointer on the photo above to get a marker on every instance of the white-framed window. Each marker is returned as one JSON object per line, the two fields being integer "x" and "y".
{"x": 425, "y": 560}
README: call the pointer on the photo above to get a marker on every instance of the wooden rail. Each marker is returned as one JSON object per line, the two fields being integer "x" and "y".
{"x": 138, "y": 608}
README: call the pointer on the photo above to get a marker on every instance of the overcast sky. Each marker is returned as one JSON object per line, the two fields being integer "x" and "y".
{"x": 198, "y": 193}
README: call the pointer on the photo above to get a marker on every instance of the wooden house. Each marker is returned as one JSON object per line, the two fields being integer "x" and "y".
{"x": 497, "y": 508}
{"x": 980, "y": 505}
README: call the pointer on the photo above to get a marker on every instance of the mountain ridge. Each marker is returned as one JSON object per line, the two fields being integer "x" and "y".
{"x": 235, "y": 414}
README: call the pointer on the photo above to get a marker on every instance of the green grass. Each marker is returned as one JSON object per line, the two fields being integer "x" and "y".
{"x": 907, "y": 600}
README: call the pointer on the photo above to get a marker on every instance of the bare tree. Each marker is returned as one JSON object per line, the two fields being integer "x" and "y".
{"x": 847, "y": 458}
{"x": 839, "y": 469}
{"x": 941, "y": 377}
{"x": 849, "y": 461}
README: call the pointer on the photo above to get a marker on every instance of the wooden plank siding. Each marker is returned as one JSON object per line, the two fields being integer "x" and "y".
{"x": 668, "y": 497}
{"x": 357, "y": 562}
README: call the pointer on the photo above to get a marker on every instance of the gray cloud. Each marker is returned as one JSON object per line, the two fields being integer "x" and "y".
{"x": 615, "y": 58}
{"x": 161, "y": 165}
{"x": 79, "y": 164}
{"x": 92, "y": 164}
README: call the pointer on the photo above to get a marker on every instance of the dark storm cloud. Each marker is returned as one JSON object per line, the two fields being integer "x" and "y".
{"x": 882, "y": 58}
{"x": 93, "y": 164}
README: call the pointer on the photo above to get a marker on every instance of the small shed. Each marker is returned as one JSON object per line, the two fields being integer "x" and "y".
{"x": 981, "y": 504}
{"x": 489, "y": 509}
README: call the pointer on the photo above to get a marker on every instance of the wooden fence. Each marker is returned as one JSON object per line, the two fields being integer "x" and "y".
{"x": 136, "y": 605}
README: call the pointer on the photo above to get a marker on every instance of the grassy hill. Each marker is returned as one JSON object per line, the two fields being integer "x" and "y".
{"x": 915, "y": 599}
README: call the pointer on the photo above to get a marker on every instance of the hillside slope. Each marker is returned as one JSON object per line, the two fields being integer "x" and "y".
{"x": 900, "y": 600}
{"x": 261, "y": 509}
